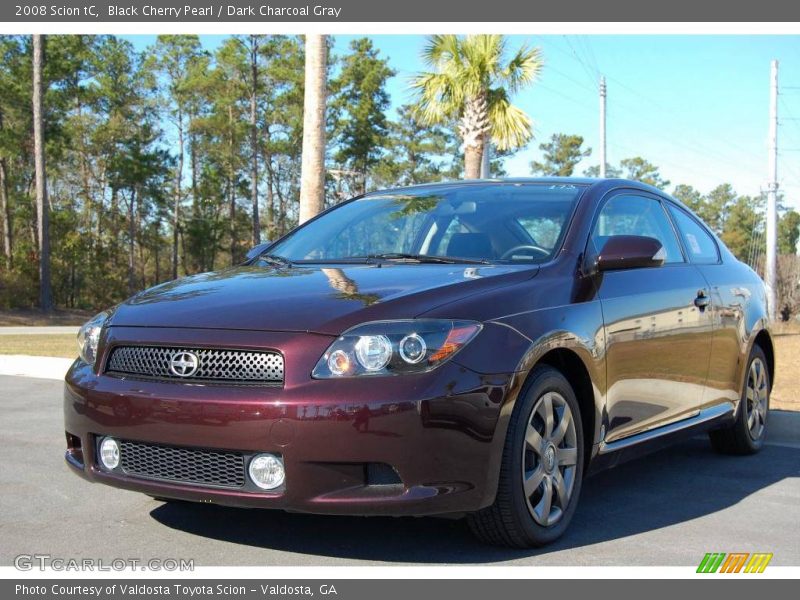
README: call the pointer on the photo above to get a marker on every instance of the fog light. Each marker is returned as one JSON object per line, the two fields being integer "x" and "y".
{"x": 266, "y": 471}
{"x": 109, "y": 453}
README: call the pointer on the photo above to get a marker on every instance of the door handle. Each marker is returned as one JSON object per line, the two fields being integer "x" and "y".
{"x": 702, "y": 300}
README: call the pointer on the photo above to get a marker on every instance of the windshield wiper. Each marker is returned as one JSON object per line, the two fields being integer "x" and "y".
{"x": 426, "y": 258}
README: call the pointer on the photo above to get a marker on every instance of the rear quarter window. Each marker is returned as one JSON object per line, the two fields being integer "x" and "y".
{"x": 700, "y": 246}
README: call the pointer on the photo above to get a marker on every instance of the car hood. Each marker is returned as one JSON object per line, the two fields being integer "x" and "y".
{"x": 316, "y": 298}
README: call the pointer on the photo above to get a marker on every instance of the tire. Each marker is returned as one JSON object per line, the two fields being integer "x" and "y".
{"x": 746, "y": 434}
{"x": 520, "y": 520}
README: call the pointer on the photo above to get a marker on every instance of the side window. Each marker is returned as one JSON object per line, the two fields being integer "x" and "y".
{"x": 699, "y": 244}
{"x": 636, "y": 215}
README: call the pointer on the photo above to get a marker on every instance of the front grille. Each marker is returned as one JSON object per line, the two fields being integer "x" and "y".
{"x": 236, "y": 366}
{"x": 215, "y": 468}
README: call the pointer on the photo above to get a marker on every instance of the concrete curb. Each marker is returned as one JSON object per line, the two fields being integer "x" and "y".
{"x": 42, "y": 367}
{"x": 37, "y": 330}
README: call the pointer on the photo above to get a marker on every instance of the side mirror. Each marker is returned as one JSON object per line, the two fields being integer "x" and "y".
{"x": 630, "y": 252}
{"x": 256, "y": 250}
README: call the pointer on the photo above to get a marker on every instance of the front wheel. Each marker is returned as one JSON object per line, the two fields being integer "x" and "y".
{"x": 542, "y": 467}
{"x": 746, "y": 434}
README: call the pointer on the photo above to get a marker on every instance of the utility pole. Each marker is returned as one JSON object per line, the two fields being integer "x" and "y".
{"x": 772, "y": 195}
{"x": 603, "y": 160}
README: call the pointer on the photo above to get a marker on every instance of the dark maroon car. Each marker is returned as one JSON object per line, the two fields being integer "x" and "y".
{"x": 471, "y": 348}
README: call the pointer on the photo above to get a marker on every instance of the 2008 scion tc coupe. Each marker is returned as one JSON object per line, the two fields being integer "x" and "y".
{"x": 471, "y": 348}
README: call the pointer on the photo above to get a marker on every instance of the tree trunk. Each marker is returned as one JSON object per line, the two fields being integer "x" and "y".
{"x": 473, "y": 128}
{"x": 193, "y": 159}
{"x": 312, "y": 178}
{"x": 5, "y": 210}
{"x": 101, "y": 188}
{"x": 254, "y": 139}
{"x": 156, "y": 250}
{"x": 231, "y": 191}
{"x": 473, "y": 156}
{"x": 270, "y": 200}
{"x": 141, "y": 238}
{"x": 176, "y": 211}
{"x": 281, "y": 206}
{"x": 486, "y": 158}
{"x": 131, "y": 246}
{"x": 114, "y": 225}
{"x": 43, "y": 209}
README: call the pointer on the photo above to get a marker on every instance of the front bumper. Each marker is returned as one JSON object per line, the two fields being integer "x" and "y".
{"x": 442, "y": 432}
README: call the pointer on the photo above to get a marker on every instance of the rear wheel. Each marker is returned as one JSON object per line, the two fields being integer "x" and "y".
{"x": 746, "y": 434}
{"x": 542, "y": 467}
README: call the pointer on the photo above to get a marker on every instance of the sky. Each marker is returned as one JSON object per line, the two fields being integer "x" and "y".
{"x": 697, "y": 106}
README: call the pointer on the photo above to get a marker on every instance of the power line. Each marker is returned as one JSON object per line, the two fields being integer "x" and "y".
{"x": 567, "y": 97}
{"x": 742, "y": 162}
{"x": 664, "y": 109}
{"x": 720, "y": 157}
{"x": 592, "y": 75}
{"x": 570, "y": 78}
{"x": 795, "y": 121}
{"x": 669, "y": 140}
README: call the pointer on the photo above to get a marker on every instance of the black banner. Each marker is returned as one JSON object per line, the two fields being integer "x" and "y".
{"x": 408, "y": 11}
{"x": 370, "y": 589}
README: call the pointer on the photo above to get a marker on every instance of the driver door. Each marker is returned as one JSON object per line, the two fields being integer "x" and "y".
{"x": 658, "y": 341}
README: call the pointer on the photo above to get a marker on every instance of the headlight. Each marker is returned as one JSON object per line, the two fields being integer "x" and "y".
{"x": 394, "y": 347}
{"x": 89, "y": 336}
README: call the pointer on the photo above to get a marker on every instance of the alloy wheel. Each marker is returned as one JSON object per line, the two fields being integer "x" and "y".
{"x": 756, "y": 400}
{"x": 549, "y": 459}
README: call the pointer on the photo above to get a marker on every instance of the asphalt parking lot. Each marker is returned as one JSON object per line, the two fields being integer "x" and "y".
{"x": 667, "y": 509}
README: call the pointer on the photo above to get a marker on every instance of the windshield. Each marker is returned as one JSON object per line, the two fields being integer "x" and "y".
{"x": 480, "y": 222}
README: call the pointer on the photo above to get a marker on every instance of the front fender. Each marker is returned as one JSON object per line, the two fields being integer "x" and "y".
{"x": 519, "y": 342}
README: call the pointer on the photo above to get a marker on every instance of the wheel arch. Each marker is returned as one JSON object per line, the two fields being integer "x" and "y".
{"x": 763, "y": 339}
{"x": 570, "y": 364}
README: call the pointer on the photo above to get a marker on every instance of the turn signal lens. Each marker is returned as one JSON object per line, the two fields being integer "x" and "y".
{"x": 89, "y": 337}
{"x": 339, "y": 362}
{"x": 457, "y": 337}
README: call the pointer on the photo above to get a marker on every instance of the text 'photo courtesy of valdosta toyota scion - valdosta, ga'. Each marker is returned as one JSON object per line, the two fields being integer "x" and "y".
{"x": 178, "y": 590}
{"x": 216, "y": 10}
{"x": 457, "y": 349}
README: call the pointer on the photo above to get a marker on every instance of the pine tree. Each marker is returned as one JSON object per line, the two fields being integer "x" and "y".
{"x": 561, "y": 155}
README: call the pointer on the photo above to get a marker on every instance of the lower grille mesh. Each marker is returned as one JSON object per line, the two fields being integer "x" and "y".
{"x": 184, "y": 465}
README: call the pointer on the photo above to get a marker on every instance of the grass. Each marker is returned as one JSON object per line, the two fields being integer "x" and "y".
{"x": 785, "y": 392}
{"x": 36, "y": 318}
{"x": 786, "y": 389}
{"x": 60, "y": 345}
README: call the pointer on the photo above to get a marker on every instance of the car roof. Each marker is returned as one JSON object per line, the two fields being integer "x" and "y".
{"x": 581, "y": 181}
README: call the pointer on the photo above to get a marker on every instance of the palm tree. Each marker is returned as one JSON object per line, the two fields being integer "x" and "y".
{"x": 42, "y": 206}
{"x": 312, "y": 176}
{"x": 470, "y": 80}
